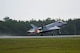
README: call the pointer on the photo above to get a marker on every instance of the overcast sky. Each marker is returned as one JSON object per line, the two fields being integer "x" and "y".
{"x": 39, "y": 9}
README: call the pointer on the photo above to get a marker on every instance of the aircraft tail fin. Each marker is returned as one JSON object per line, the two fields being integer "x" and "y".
{"x": 34, "y": 26}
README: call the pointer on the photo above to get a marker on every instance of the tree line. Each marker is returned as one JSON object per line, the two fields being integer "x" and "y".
{"x": 14, "y": 27}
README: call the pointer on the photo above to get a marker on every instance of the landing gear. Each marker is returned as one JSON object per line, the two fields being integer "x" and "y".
{"x": 52, "y": 33}
{"x": 59, "y": 32}
{"x": 41, "y": 34}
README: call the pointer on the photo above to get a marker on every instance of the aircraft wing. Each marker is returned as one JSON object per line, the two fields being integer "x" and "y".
{"x": 53, "y": 28}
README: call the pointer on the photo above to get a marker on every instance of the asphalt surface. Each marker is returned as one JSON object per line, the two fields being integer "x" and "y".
{"x": 59, "y": 36}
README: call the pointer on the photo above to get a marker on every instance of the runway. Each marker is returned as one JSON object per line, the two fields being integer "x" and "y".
{"x": 59, "y": 36}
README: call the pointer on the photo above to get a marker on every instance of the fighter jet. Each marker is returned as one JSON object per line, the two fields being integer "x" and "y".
{"x": 46, "y": 28}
